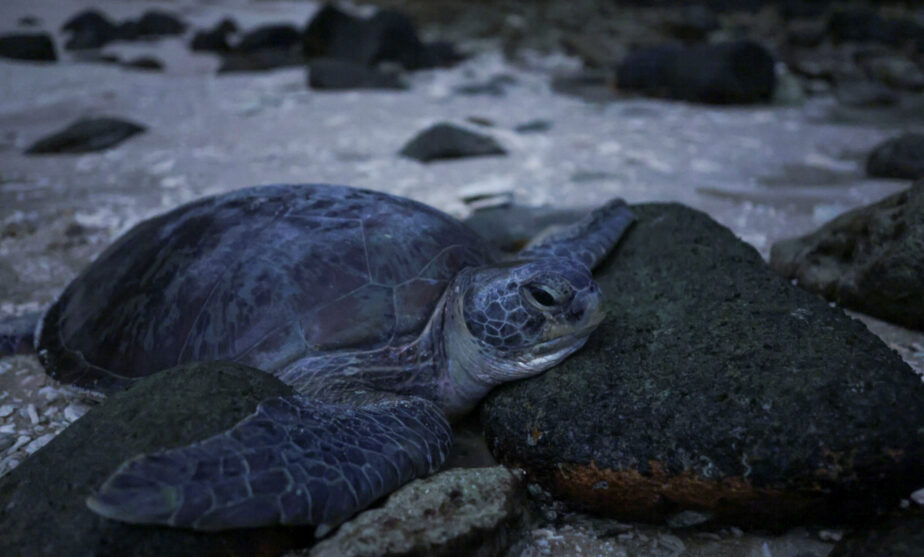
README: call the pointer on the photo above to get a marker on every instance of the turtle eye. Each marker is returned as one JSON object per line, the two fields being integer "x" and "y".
{"x": 543, "y": 296}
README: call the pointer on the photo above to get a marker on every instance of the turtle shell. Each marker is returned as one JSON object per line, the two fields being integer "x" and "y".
{"x": 261, "y": 276}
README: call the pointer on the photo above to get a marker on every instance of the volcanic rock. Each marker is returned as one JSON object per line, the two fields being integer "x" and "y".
{"x": 44, "y": 511}
{"x": 715, "y": 386}
{"x": 870, "y": 259}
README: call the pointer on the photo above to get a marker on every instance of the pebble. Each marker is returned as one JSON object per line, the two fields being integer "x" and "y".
{"x": 830, "y": 535}
{"x": 37, "y": 444}
{"x": 32, "y": 413}
{"x": 918, "y": 497}
{"x": 20, "y": 441}
{"x": 6, "y": 410}
{"x": 74, "y": 411}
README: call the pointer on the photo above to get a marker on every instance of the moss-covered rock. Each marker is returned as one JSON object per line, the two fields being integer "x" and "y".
{"x": 43, "y": 510}
{"x": 714, "y": 385}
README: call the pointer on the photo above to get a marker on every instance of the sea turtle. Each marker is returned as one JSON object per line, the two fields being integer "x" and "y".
{"x": 388, "y": 317}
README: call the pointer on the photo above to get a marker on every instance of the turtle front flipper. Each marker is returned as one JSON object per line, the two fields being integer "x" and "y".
{"x": 296, "y": 460}
{"x": 17, "y": 334}
{"x": 588, "y": 240}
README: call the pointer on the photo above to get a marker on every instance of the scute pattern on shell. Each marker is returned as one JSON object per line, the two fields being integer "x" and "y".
{"x": 262, "y": 276}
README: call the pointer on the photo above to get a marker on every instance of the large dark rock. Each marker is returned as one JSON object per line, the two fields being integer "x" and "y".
{"x": 214, "y": 39}
{"x": 716, "y": 386}
{"x": 446, "y": 141}
{"x": 870, "y": 259}
{"x": 44, "y": 513}
{"x": 151, "y": 25}
{"x": 387, "y": 36}
{"x": 89, "y": 29}
{"x": 28, "y": 46}
{"x": 897, "y": 537}
{"x": 734, "y": 72}
{"x": 899, "y": 157}
{"x": 86, "y": 135}
{"x": 334, "y": 74}
{"x": 270, "y": 37}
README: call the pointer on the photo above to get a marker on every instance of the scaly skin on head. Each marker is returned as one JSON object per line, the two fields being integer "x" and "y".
{"x": 511, "y": 321}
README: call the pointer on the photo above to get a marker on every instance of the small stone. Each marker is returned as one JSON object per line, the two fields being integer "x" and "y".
{"x": 671, "y": 543}
{"x": 145, "y": 63}
{"x": 918, "y": 497}
{"x": 458, "y": 512}
{"x": 447, "y": 141}
{"x": 32, "y": 414}
{"x": 830, "y": 535}
{"x": 86, "y": 135}
{"x": 6, "y": 410}
{"x": 685, "y": 519}
{"x": 533, "y": 126}
{"x": 74, "y": 411}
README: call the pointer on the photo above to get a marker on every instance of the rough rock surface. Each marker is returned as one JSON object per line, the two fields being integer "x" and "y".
{"x": 447, "y": 141}
{"x": 734, "y": 72}
{"x": 335, "y": 74}
{"x": 714, "y": 385}
{"x": 86, "y": 135}
{"x": 899, "y": 157}
{"x": 474, "y": 511}
{"x": 36, "y": 47}
{"x": 898, "y": 537}
{"x": 870, "y": 259}
{"x": 44, "y": 511}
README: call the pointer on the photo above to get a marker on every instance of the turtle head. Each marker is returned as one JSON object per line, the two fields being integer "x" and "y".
{"x": 517, "y": 319}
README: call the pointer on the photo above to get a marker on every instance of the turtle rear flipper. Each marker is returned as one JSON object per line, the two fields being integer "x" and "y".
{"x": 588, "y": 240}
{"x": 296, "y": 460}
{"x": 17, "y": 334}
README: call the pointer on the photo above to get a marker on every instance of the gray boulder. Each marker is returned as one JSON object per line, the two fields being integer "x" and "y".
{"x": 715, "y": 386}
{"x": 870, "y": 259}
{"x": 43, "y": 510}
